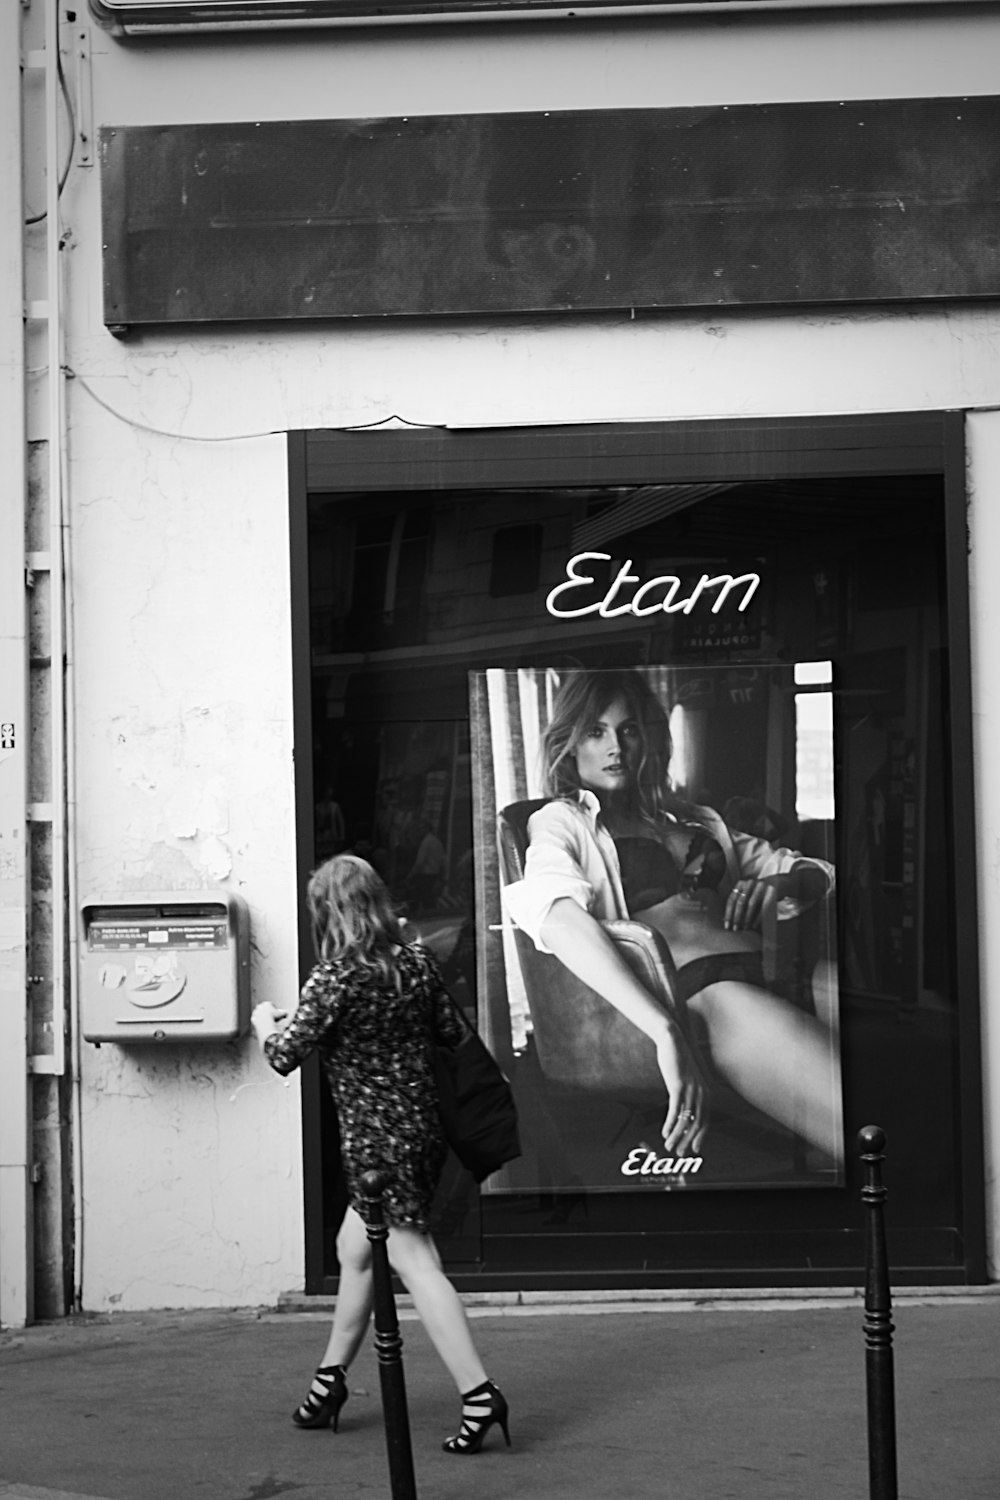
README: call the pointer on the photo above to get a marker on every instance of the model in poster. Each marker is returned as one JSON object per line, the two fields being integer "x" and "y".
{"x": 615, "y": 841}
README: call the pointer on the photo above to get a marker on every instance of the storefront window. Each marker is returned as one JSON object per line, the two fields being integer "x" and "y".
{"x": 807, "y": 711}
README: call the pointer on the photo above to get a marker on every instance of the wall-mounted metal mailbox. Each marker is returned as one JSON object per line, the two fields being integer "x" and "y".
{"x": 160, "y": 968}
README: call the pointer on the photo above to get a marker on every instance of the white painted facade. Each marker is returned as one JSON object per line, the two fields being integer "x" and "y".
{"x": 181, "y": 747}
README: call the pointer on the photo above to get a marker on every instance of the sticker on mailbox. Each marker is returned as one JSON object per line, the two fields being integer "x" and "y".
{"x": 155, "y": 979}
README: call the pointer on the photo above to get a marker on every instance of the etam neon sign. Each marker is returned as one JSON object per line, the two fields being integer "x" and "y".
{"x": 655, "y": 596}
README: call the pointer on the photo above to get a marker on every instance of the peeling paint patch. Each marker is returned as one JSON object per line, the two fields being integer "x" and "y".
{"x": 214, "y": 858}
{"x": 186, "y": 812}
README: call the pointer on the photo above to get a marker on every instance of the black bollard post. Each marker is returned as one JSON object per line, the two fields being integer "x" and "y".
{"x": 388, "y": 1347}
{"x": 878, "y": 1324}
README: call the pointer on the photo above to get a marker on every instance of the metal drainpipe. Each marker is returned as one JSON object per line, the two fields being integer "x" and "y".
{"x": 56, "y": 457}
{"x": 16, "y": 1284}
{"x": 54, "y": 1063}
{"x": 65, "y": 939}
{"x": 63, "y": 717}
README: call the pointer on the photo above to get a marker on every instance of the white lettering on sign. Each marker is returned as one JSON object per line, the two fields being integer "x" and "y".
{"x": 641, "y": 1162}
{"x": 655, "y": 596}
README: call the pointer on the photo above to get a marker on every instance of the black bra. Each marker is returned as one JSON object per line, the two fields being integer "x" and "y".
{"x": 649, "y": 874}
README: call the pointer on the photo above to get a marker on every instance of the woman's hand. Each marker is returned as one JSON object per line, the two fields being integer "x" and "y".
{"x": 265, "y": 1019}
{"x": 752, "y": 902}
{"x": 686, "y": 1120}
{"x": 585, "y": 948}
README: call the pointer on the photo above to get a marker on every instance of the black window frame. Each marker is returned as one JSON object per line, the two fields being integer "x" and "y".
{"x": 738, "y": 450}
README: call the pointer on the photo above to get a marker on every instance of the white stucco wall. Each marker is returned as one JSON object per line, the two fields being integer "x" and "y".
{"x": 179, "y": 549}
{"x": 192, "y": 1179}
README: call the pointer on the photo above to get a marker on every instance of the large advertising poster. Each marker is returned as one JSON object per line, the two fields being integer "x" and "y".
{"x": 656, "y": 900}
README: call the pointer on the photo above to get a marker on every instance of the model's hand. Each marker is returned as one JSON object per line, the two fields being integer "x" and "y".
{"x": 751, "y": 902}
{"x": 686, "y": 1120}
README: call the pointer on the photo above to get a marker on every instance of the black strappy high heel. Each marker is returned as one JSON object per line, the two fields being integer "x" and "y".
{"x": 327, "y": 1395}
{"x": 481, "y": 1408}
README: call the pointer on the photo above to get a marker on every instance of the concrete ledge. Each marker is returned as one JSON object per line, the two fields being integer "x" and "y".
{"x": 665, "y": 1299}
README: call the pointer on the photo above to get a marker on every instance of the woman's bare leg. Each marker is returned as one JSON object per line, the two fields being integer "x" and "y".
{"x": 355, "y": 1294}
{"x": 777, "y": 1057}
{"x": 415, "y": 1260}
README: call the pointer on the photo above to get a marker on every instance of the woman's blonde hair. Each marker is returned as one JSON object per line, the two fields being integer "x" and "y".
{"x": 353, "y": 915}
{"x": 580, "y": 701}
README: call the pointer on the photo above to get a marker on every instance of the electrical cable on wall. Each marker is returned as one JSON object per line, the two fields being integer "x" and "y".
{"x": 71, "y": 117}
{"x": 236, "y": 437}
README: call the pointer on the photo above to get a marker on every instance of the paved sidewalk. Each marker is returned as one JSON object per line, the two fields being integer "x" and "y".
{"x": 755, "y": 1398}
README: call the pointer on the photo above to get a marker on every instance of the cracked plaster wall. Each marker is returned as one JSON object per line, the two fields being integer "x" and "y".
{"x": 178, "y": 544}
{"x": 191, "y": 1155}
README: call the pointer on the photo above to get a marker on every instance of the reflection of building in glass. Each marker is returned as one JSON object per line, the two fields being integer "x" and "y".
{"x": 393, "y": 719}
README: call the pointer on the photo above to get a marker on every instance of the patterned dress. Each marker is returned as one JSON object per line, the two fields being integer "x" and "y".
{"x": 374, "y": 1045}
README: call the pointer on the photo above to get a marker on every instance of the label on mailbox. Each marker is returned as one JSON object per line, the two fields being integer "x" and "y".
{"x": 118, "y": 937}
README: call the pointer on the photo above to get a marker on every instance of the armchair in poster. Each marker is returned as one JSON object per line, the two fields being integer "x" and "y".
{"x": 659, "y": 949}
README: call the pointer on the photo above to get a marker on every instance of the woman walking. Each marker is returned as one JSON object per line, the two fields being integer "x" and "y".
{"x": 372, "y": 1007}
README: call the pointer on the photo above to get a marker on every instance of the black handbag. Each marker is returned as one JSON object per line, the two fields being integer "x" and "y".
{"x": 476, "y": 1104}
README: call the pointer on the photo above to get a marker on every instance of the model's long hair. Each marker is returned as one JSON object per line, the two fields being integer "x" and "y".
{"x": 353, "y": 916}
{"x": 580, "y": 701}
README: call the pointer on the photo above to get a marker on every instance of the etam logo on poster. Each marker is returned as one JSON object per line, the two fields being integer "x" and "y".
{"x": 655, "y": 596}
{"x": 641, "y": 1162}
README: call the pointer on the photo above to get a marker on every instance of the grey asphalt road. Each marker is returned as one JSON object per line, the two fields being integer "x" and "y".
{"x": 666, "y": 1400}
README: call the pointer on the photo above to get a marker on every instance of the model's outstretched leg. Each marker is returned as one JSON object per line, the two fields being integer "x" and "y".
{"x": 415, "y": 1259}
{"x": 777, "y": 1057}
{"x": 351, "y": 1317}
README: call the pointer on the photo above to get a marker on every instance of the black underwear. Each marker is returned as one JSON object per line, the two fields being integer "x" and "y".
{"x": 745, "y": 968}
